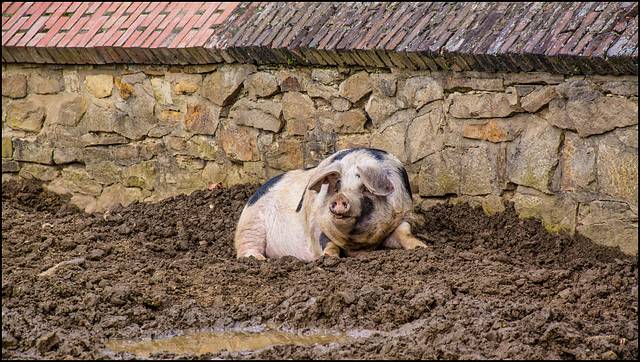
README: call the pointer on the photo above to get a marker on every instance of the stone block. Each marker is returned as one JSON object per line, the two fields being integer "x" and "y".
{"x": 201, "y": 119}
{"x": 134, "y": 78}
{"x": 581, "y": 89}
{"x": 102, "y": 139}
{"x": 621, "y": 88}
{"x": 577, "y": 164}
{"x": 9, "y": 166}
{"x": 14, "y": 86}
{"x": 45, "y": 81}
{"x": 609, "y": 223}
{"x": 185, "y": 88}
{"x": 67, "y": 109}
{"x": 379, "y": 107}
{"x": 556, "y": 212}
{"x": 298, "y": 111}
{"x": 239, "y": 144}
{"x": 261, "y": 84}
{"x": 25, "y": 115}
{"x": 228, "y": 174}
{"x": 137, "y": 115}
{"x": 440, "y": 173}
{"x": 498, "y": 130}
{"x": 492, "y": 105}
{"x": 262, "y": 114}
{"x": 176, "y": 143}
{"x": 351, "y": 121}
{"x": 418, "y": 91}
{"x": 77, "y": 180}
{"x": 539, "y": 98}
{"x": 285, "y": 155}
{"x": 100, "y": 86}
{"x": 202, "y": 146}
{"x": 352, "y": 141}
{"x": 477, "y": 172}
{"x": 7, "y": 146}
{"x": 71, "y": 80}
{"x": 124, "y": 89}
{"x": 492, "y": 204}
{"x": 40, "y": 172}
{"x": 143, "y": 175}
{"x": 318, "y": 144}
{"x": 602, "y": 114}
{"x": 84, "y": 202}
{"x": 67, "y": 155}
{"x": 319, "y": 90}
{"x": 200, "y": 68}
{"x": 384, "y": 83}
{"x": 162, "y": 91}
{"x": 33, "y": 150}
{"x": 101, "y": 116}
{"x": 170, "y": 117}
{"x": 617, "y": 169}
{"x": 221, "y": 86}
{"x": 423, "y": 137}
{"x": 355, "y": 87}
{"x": 256, "y": 169}
{"x": 117, "y": 194}
{"x": 326, "y": 76}
{"x": 340, "y": 104}
{"x": 391, "y": 135}
{"x": 104, "y": 171}
{"x": 532, "y": 78}
{"x": 452, "y": 82}
{"x": 557, "y": 114}
{"x": 532, "y": 158}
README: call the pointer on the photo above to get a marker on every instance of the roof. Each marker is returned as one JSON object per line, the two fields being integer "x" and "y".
{"x": 557, "y": 37}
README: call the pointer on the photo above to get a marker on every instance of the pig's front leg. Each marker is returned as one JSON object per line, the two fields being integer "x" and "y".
{"x": 332, "y": 249}
{"x": 401, "y": 238}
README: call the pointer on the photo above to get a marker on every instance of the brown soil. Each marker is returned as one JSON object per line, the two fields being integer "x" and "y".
{"x": 486, "y": 286}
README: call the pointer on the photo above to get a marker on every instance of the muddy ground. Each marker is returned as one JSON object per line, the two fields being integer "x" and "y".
{"x": 486, "y": 286}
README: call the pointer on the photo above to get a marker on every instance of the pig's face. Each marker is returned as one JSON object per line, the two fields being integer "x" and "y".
{"x": 352, "y": 206}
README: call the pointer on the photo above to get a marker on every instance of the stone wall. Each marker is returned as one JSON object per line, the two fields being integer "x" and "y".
{"x": 563, "y": 148}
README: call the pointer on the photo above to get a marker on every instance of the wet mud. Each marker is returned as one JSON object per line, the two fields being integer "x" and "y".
{"x": 486, "y": 287}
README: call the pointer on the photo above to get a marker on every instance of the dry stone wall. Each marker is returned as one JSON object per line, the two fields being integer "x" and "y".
{"x": 563, "y": 148}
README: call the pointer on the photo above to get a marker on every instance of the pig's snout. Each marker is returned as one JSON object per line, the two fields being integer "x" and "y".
{"x": 339, "y": 206}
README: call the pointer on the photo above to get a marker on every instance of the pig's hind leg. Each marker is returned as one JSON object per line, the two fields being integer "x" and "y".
{"x": 251, "y": 235}
{"x": 401, "y": 238}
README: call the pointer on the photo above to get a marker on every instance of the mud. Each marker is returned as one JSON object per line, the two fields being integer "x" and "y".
{"x": 486, "y": 287}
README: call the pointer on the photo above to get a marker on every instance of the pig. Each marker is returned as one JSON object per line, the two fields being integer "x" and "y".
{"x": 354, "y": 201}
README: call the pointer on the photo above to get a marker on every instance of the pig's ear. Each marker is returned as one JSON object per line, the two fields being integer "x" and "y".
{"x": 327, "y": 174}
{"x": 375, "y": 178}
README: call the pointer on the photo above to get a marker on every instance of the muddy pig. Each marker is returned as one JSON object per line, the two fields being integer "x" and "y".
{"x": 354, "y": 201}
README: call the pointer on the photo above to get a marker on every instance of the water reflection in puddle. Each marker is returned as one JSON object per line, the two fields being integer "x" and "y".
{"x": 213, "y": 342}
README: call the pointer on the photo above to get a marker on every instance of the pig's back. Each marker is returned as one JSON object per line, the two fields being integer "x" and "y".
{"x": 278, "y": 200}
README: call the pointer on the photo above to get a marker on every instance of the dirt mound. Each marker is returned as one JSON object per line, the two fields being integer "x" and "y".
{"x": 486, "y": 287}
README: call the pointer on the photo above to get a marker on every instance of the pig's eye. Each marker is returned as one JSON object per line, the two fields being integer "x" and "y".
{"x": 365, "y": 191}
{"x": 338, "y": 184}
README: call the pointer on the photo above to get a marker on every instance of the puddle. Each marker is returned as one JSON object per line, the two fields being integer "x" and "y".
{"x": 213, "y": 342}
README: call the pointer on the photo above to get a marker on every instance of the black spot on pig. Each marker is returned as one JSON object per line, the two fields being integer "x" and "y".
{"x": 264, "y": 189}
{"x": 301, "y": 200}
{"x": 367, "y": 207}
{"x": 324, "y": 241}
{"x": 303, "y": 192}
{"x": 376, "y": 153}
{"x": 405, "y": 180}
